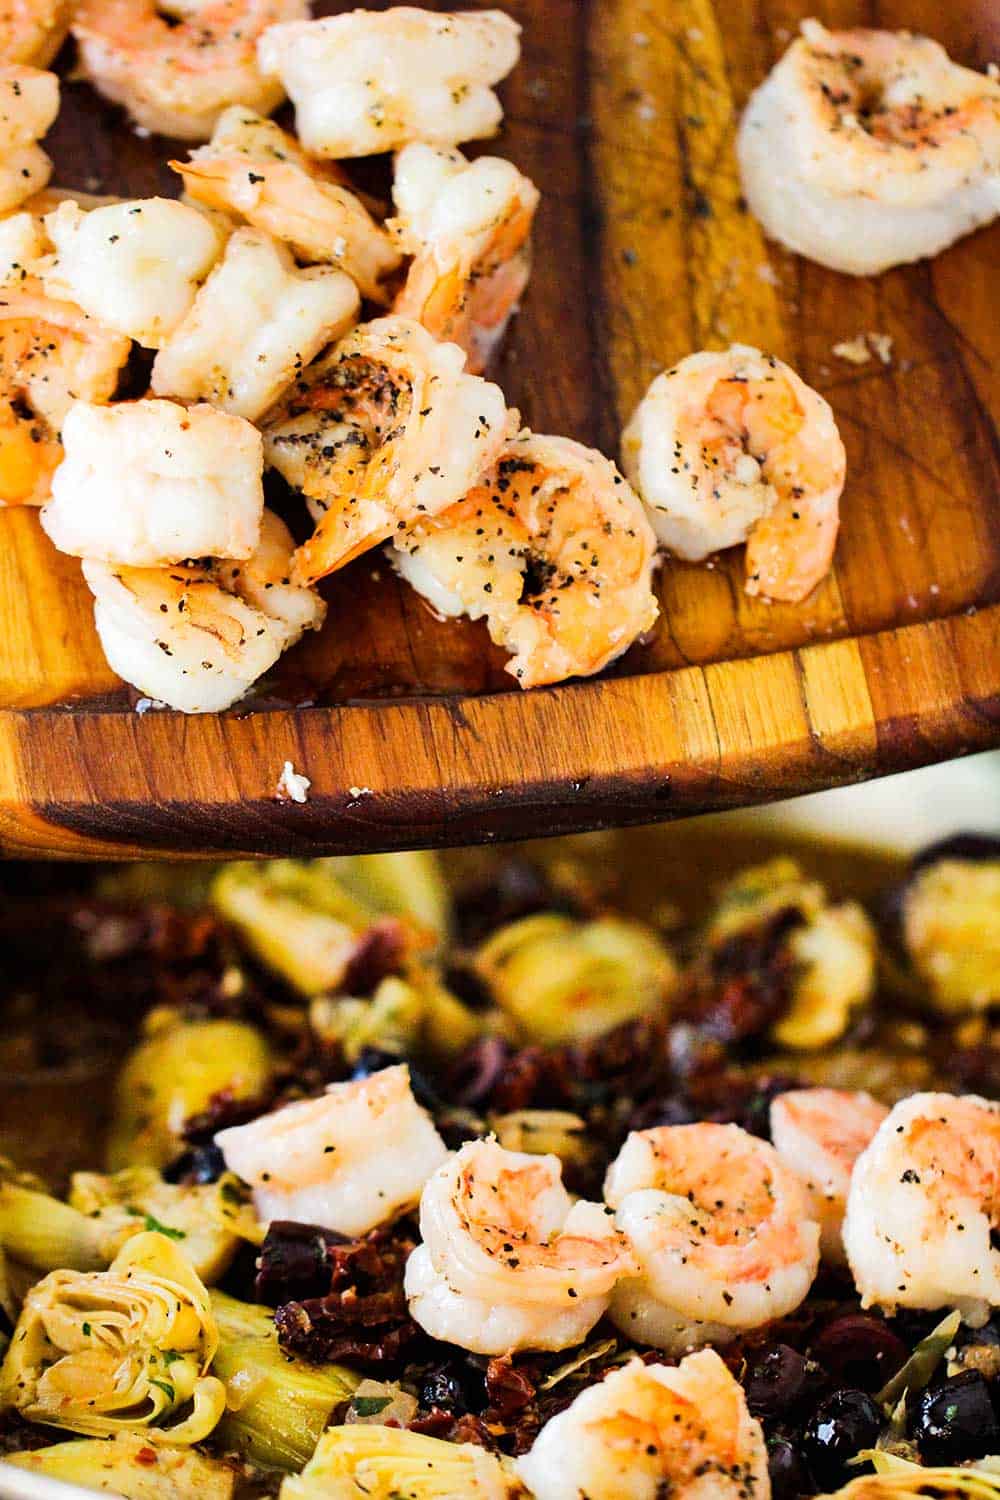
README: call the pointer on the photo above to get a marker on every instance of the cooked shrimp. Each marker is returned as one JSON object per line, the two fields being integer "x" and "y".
{"x": 363, "y": 82}
{"x": 923, "y": 1208}
{"x": 253, "y": 169}
{"x": 29, "y": 102}
{"x": 176, "y": 79}
{"x": 22, "y": 243}
{"x": 32, "y": 31}
{"x": 198, "y": 637}
{"x": 820, "y": 1133}
{"x": 553, "y": 548}
{"x": 867, "y": 149}
{"x": 51, "y": 354}
{"x": 136, "y": 266}
{"x": 507, "y": 1263}
{"x": 468, "y": 226}
{"x": 722, "y": 1232}
{"x": 733, "y": 447}
{"x": 385, "y": 429}
{"x": 649, "y": 1431}
{"x": 146, "y": 483}
{"x": 349, "y": 1160}
{"x": 255, "y": 324}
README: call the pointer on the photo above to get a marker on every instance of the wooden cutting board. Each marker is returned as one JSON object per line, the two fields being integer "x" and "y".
{"x": 623, "y": 111}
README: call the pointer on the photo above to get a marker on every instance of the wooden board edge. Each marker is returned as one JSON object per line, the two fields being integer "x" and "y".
{"x": 448, "y": 772}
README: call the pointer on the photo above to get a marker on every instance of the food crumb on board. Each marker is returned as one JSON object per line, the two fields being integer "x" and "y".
{"x": 860, "y": 349}
{"x": 292, "y": 785}
{"x": 143, "y": 705}
{"x": 767, "y": 273}
{"x": 356, "y": 792}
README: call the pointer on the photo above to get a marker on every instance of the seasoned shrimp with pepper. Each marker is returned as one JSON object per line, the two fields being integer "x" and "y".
{"x": 508, "y": 1261}
{"x": 366, "y": 81}
{"x": 51, "y": 354}
{"x": 29, "y": 103}
{"x": 385, "y": 429}
{"x": 357, "y": 1155}
{"x": 468, "y": 227}
{"x": 32, "y": 31}
{"x": 734, "y": 447}
{"x": 923, "y": 1210}
{"x": 253, "y": 169}
{"x": 198, "y": 636}
{"x": 552, "y": 548}
{"x": 646, "y": 1432}
{"x": 176, "y": 72}
{"x": 820, "y": 1133}
{"x": 866, "y": 149}
{"x": 722, "y": 1231}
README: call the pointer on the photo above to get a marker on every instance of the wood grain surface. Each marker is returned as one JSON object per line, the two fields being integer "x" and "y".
{"x": 623, "y": 111}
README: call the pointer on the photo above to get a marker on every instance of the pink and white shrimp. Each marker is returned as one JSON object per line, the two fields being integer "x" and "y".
{"x": 820, "y": 1133}
{"x": 722, "y": 1231}
{"x": 649, "y": 1431}
{"x": 923, "y": 1208}
{"x": 354, "y": 1157}
{"x": 552, "y": 548}
{"x": 385, "y": 430}
{"x": 508, "y": 1260}
{"x": 468, "y": 227}
{"x": 175, "y": 76}
{"x": 866, "y": 149}
{"x": 732, "y": 446}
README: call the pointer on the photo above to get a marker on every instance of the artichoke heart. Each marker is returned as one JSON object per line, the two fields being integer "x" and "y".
{"x": 563, "y": 980}
{"x": 951, "y": 933}
{"x": 276, "y": 1406}
{"x": 208, "y": 1220}
{"x": 174, "y": 1074}
{"x": 102, "y": 1351}
{"x": 834, "y": 948}
{"x": 305, "y": 923}
{"x": 412, "y": 1014}
{"x": 384, "y": 1463}
{"x": 128, "y": 1466}
{"x": 898, "y": 1477}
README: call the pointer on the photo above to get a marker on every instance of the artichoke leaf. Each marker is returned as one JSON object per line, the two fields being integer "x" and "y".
{"x": 128, "y": 1465}
{"x": 898, "y": 1479}
{"x": 208, "y": 1220}
{"x": 276, "y": 1406}
{"x": 384, "y": 1463}
{"x": 173, "y": 1074}
{"x": 102, "y": 1351}
{"x": 561, "y": 980}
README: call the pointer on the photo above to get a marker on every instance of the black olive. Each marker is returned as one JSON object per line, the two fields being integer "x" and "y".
{"x": 955, "y": 1421}
{"x": 199, "y": 1165}
{"x": 442, "y": 1389}
{"x": 775, "y": 1382}
{"x": 839, "y": 1428}
{"x": 789, "y": 1479}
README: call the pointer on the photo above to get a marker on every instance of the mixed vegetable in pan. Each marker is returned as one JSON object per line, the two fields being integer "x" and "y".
{"x": 396, "y": 1177}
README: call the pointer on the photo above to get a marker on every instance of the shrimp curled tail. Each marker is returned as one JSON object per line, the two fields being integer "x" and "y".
{"x": 553, "y": 549}
{"x": 386, "y": 429}
{"x": 508, "y": 1262}
{"x": 867, "y": 149}
{"x": 177, "y": 79}
{"x": 734, "y": 447}
{"x": 923, "y": 1208}
{"x": 722, "y": 1231}
{"x": 651, "y": 1430}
